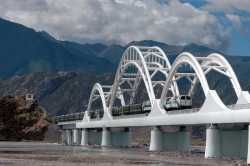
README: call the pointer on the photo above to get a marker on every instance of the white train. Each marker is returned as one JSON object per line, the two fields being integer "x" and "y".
{"x": 146, "y": 106}
{"x": 175, "y": 103}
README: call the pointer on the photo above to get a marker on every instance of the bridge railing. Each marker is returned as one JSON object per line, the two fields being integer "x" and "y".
{"x": 69, "y": 117}
{"x": 129, "y": 110}
{"x": 96, "y": 114}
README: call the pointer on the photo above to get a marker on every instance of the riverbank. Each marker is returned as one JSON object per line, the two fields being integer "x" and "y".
{"x": 51, "y": 154}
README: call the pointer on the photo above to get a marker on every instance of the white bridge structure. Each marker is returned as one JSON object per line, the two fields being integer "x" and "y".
{"x": 227, "y": 126}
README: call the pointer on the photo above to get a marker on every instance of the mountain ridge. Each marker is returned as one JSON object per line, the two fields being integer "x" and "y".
{"x": 24, "y": 50}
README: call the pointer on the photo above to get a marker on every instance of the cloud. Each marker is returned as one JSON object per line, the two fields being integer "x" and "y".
{"x": 227, "y": 5}
{"x": 118, "y": 20}
{"x": 238, "y": 23}
{"x": 234, "y": 19}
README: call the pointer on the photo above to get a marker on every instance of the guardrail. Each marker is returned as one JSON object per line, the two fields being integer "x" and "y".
{"x": 69, "y": 117}
{"x": 95, "y": 114}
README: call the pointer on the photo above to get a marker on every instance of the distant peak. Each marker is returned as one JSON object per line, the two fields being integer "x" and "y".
{"x": 146, "y": 43}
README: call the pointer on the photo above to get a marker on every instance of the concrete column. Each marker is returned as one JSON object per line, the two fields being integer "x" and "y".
{"x": 84, "y": 140}
{"x": 183, "y": 139}
{"x": 63, "y": 137}
{"x": 106, "y": 137}
{"x": 155, "y": 139}
{"x": 213, "y": 147}
{"x": 75, "y": 136}
{"x": 68, "y": 137}
{"x": 248, "y": 149}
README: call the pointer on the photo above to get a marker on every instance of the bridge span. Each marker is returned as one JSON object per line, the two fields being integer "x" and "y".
{"x": 164, "y": 103}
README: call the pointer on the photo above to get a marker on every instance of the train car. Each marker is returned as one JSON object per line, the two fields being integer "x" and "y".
{"x": 175, "y": 103}
{"x": 132, "y": 109}
{"x": 171, "y": 103}
{"x": 146, "y": 106}
{"x": 117, "y": 111}
{"x": 185, "y": 102}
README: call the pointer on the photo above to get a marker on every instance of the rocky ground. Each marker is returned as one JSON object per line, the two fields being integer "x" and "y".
{"x": 49, "y": 154}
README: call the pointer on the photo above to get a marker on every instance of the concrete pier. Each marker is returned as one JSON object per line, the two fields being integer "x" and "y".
{"x": 68, "y": 137}
{"x": 106, "y": 137}
{"x": 63, "y": 137}
{"x": 75, "y": 137}
{"x": 155, "y": 139}
{"x": 85, "y": 137}
{"x": 212, "y": 142}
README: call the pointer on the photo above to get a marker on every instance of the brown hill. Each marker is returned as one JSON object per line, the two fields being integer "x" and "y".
{"x": 21, "y": 119}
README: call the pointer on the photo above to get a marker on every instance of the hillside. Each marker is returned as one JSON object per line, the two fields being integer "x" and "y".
{"x": 58, "y": 93}
{"x": 23, "y": 50}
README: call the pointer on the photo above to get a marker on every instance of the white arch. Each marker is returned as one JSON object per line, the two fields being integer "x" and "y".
{"x": 164, "y": 56}
{"x": 168, "y": 64}
{"x": 186, "y": 58}
{"x": 219, "y": 59}
{"x": 97, "y": 87}
{"x": 151, "y": 97}
{"x": 138, "y": 61}
{"x": 135, "y": 56}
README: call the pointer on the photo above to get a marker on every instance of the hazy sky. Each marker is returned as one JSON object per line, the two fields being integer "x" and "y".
{"x": 220, "y": 24}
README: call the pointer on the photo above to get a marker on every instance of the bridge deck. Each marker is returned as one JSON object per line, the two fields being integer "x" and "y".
{"x": 191, "y": 118}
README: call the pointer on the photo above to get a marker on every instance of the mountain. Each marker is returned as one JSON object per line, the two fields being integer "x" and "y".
{"x": 57, "y": 92}
{"x": 114, "y": 52}
{"x": 23, "y": 50}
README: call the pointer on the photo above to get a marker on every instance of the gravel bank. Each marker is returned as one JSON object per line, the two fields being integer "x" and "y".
{"x": 47, "y": 154}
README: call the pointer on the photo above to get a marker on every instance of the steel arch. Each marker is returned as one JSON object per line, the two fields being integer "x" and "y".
{"x": 144, "y": 58}
{"x": 186, "y": 58}
{"x": 97, "y": 88}
{"x": 150, "y": 60}
{"x": 137, "y": 60}
{"x": 221, "y": 60}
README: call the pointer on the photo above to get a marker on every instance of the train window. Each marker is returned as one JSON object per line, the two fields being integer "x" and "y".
{"x": 188, "y": 97}
{"x": 182, "y": 97}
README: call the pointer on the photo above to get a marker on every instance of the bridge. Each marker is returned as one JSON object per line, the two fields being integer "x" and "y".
{"x": 146, "y": 72}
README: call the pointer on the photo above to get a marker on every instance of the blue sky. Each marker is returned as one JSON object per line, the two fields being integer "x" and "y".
{"x": 239, "y": 43}
{"x": 220, "y": 24}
